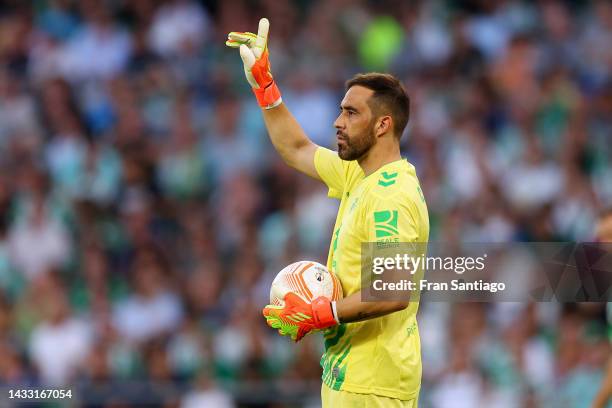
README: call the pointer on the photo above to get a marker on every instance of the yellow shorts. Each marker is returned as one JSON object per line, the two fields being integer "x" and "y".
{"x": 344, "y": 399}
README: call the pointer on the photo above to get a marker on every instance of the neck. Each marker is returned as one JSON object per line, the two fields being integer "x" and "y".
{"x": 379, "y": 155}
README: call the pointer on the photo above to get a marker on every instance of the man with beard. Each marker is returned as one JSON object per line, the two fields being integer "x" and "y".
{"x": 372, "y": 349}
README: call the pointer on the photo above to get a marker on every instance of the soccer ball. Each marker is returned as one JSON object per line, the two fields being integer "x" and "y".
{"x": 308, "y": 280}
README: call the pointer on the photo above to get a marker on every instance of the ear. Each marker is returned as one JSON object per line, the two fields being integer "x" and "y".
{"x": 384, "y": 125}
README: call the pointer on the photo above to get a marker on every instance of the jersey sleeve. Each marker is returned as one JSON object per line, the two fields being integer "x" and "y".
{"x": 331, "y": 170}
{"x": 390, "y": 219}
{"x": 391, "y": 229}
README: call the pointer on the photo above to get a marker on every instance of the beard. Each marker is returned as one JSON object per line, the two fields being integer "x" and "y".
{"x": 356, "y": 146}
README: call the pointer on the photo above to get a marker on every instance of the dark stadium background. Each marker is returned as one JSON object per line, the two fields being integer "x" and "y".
{"x": 144, "y": 212}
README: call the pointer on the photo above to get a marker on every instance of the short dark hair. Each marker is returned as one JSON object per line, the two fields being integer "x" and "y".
{"x": 389, "y": 97}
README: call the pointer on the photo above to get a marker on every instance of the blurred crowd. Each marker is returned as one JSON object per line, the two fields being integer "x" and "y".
{"x": 144, "y": 212}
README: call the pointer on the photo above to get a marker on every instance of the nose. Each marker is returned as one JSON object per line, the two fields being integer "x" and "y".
{"x": 339, "y": 123}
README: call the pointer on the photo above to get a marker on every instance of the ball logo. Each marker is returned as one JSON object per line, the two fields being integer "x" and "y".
{"x": 307, "y": 279}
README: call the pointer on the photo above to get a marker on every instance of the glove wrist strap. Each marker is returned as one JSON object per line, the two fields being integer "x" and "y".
{"x": 268, "y": 97}
{"x": 323, "y": 313}
{"x": 335, "y": 312}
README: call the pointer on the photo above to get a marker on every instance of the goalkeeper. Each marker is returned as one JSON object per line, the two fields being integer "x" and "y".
{"x": 372, "y": 349}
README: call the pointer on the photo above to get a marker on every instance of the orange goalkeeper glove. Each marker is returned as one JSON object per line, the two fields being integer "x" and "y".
{"x": 254, "y": 54}
{"x": 297, "y": 318}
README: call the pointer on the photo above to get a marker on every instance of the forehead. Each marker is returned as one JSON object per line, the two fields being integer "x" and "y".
{"x": 357, "y": 96}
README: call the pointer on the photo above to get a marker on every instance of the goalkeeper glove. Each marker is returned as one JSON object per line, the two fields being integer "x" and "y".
{"x": 297, "y": 318}
{"x": 254, "y": 54}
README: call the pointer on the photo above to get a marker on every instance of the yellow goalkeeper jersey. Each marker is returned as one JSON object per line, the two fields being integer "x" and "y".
{"x": 379, "y": 356}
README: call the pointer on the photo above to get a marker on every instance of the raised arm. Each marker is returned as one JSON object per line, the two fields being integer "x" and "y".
{"x": 287, "y": 136}
{"x": 290, "y": 141}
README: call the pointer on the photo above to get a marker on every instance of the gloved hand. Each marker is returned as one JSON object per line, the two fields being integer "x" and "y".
{"x": 297, "y": 318}
{"x": 254, "y": 54}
